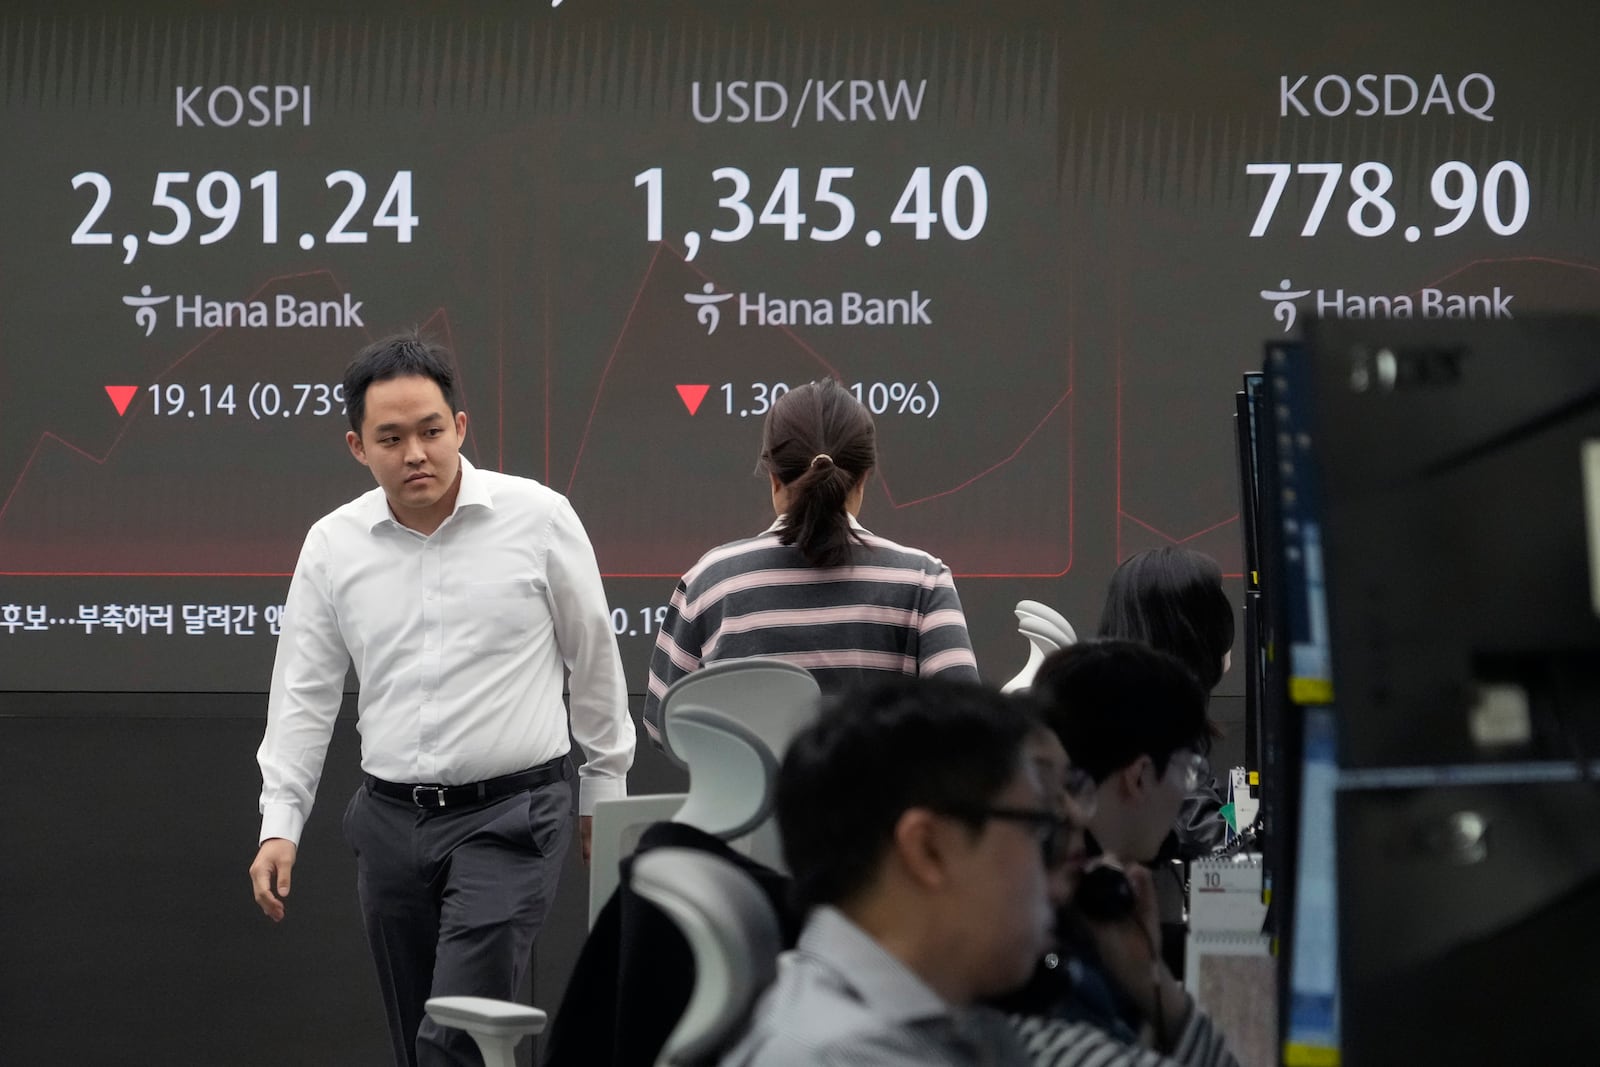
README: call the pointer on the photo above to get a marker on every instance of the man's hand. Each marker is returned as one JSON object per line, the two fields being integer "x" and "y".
{"x": 1130, "y": 950}
{"x": 269, "y": 875}
{"x": 586, "y": 836}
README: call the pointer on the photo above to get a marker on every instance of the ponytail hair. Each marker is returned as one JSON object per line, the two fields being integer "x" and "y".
{"x": 820, "y": 443}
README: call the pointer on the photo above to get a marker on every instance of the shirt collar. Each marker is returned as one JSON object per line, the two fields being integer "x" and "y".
{"x": 886, "y": 985}
{"x": 474, "y": 488}
{"x": 474, "y": 492}
{"x": 777, "y": 524}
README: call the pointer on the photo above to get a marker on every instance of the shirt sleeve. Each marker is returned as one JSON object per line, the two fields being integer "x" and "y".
{"x": 578, "y": 610}
{"x": 307, "y": 687}
{"x": 676, "y": 654}
{"x": 943, "y": 644}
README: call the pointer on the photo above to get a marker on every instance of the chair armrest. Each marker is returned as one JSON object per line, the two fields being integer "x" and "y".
{"x": 497, "y": 1018}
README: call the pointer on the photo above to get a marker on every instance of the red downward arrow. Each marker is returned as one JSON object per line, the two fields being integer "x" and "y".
{"x": 691, "y": 395}
{"x": 121, "y": 396}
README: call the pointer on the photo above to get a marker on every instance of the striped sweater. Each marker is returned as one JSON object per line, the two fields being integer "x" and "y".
{"x": 890, "y": 609}
{"x": 1058, "y": 1043}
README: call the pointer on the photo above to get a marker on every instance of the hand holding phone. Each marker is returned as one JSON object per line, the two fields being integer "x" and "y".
{"x": 1119, "y": 906}
{"x": 1105, "y": 894}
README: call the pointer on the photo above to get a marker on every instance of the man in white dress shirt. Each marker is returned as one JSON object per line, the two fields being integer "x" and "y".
{"x": 461, "y": 596}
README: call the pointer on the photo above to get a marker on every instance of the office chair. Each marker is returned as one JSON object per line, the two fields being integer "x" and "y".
{"x": 717, "y": 722}
{"x": 1046, "y": 631}
{"x": 495, "y": 1026}
{"x": 733, "y": 934}
{"x": 618, "y": 825}
{"x": 730, "y": 724}
{"x": 732, "y": 771}
{"x": 1064, "y": 631}
{"x": 774, "y": 698}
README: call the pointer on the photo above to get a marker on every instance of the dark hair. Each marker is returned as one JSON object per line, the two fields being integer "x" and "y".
{"x": 1111, "y": 702}
{"x": 1172, "y": 599}
{"x": 403, "y": 355}
{"x": 820, "y": 442}
{"x": 905, "y": 743}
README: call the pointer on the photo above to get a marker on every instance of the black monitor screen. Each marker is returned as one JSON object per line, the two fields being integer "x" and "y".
{"x": 1461, "y": 482}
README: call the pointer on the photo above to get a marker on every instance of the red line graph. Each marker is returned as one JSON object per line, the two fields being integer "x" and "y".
{"x": 1488, "y": 260}
{"x": 987, "y": 470}
{"x": 644, "y": 283}
{"x": 627, "y": 320}
{"x": 883, "y": 480}
{"x": 546, "y": 374}
{"x": 137, "y": 409}
{"x": 1072, "y": 464}
{"x": 1184, "y": 538}
{"x": 500, "y": 344}
{"x": 1175, "y": 538}
{"x": 1121, "y": 512}
{"x": 440, "y": 319}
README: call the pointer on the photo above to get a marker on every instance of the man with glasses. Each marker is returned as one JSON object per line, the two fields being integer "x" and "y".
{"x": 927, "y": 841}
{"x": 1134, "y": 719}
{"x": 1131, "y": 720}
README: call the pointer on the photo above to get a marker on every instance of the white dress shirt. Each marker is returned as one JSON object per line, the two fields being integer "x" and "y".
{"x": 459, "y": 640}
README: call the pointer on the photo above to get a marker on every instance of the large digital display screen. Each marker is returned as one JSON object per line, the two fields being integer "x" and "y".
{"x": 1039, "y": 240}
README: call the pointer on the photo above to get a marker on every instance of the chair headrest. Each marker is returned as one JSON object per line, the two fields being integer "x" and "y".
{"x": 1047, "y": 631}
{"x": 729, "y": 724}
{"x": 1040, "y": 633}
{"x": 732, "y": 931}
{"x": 773, "y": 698}
{"x": 732, "y": 772}
{"x": 1049, "y": 616}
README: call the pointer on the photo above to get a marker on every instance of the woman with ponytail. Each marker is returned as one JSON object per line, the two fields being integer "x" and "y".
{"x": 816, "y": 588}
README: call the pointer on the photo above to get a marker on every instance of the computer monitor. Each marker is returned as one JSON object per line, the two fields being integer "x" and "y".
{"x": 1299, "y": 722}
{"x": 1247, "y": 454}
{"x": 1246, "y": 426}
{"x": 1460, "y": 473}
{"x": 1460, "y": 492}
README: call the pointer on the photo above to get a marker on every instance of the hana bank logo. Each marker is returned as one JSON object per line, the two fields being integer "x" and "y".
{"x": 144, "y": 306}
{"x": 1282, "y": 299}
{"x": 283, "y": 311}
{"x": 709, "y": 315}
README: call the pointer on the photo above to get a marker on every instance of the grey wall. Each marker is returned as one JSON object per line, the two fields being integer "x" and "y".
{"x": 127, "y": 928}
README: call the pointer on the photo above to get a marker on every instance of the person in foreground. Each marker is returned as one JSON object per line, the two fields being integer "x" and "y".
{"x": 460, "y": 595}
{"x": 915, "y": 823}
{"x": 816, "y": 588}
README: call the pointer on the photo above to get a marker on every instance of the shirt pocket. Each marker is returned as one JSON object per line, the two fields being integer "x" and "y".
{"x": 500, "y": 617}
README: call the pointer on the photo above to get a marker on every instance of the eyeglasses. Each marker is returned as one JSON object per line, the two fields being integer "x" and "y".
{"x": 1052, "y": 830}
{"x": 1081, "y": 790}
{"x": 1189, "y": 765}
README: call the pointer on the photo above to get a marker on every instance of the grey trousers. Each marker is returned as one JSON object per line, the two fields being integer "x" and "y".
{"x": 452, "y": 900}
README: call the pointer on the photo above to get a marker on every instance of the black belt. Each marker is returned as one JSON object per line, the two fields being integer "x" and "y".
{"x": 451, "y": 796}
